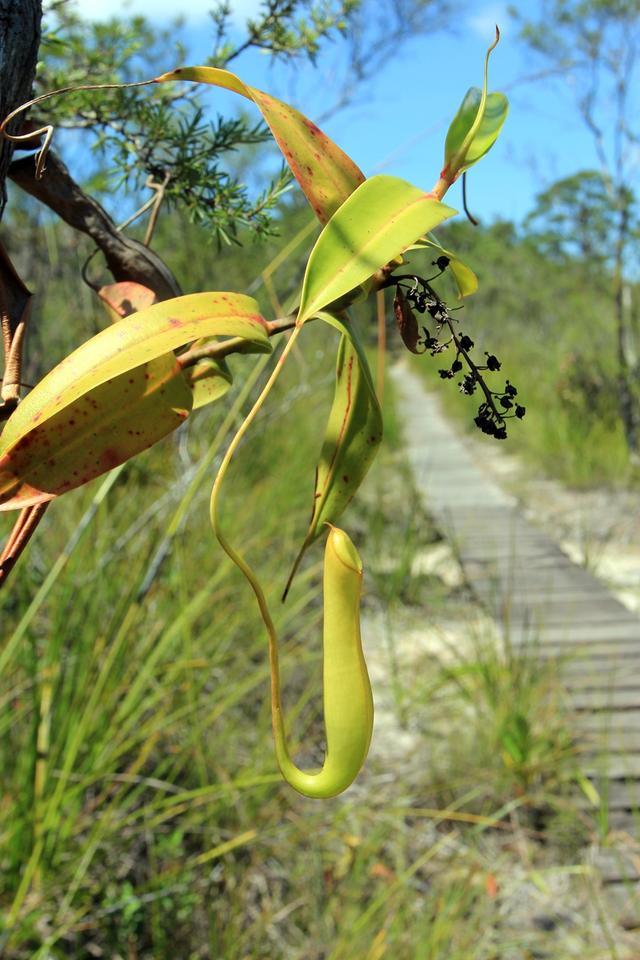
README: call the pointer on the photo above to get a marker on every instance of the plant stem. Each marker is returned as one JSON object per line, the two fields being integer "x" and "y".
{"x": 219, "y": 350}
{"x": 233, "y": 555}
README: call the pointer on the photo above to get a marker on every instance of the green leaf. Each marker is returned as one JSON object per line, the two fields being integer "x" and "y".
{"x": 352, "y": 435}
{"x": 325, "y": 173}
{"x": 208, "y": 380}
{"x": 476, "y": 125}
{"x": 466, "y": 280}
{"x": 589, "y": 790}
{"x": 374, "y": 225}
{"x": 114, "y": 396}
{"x": 496, "y": 106}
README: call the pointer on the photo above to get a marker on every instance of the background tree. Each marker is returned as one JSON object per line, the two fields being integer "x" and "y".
{"x": 594, "y": 45}
{"x": 574, "y": 218}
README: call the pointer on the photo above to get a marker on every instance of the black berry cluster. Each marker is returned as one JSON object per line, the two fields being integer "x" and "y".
{"x": 413, "y": 293}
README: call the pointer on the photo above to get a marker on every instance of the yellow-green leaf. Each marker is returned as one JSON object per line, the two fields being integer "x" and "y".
{"x": 494, "y": 114}
{"x": 208, "y": 380}
{"x": 352, "y": 435}
{"x": 325, "y": 173}
{"x": 466, "y": 280}
{"x": 96, "y": 432}
{"x": 114, "y": 396}
{"x": 476, "y": 125}
{"x": 145, "y": 336}
{"x": 373, "y": 226}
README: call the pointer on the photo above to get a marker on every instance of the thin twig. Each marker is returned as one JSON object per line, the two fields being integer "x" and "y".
{"x": 23, "y": 529}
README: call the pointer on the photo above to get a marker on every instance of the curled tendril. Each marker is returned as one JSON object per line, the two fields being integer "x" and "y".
{"x": 47, "y": 130}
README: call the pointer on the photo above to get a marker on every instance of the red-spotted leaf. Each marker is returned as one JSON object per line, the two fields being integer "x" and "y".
{"x": 374, "y": 225}
{"x": 325, "y": 173}
{"x": 207, "y": 379}
{"x": 124, "y": 298}
{"x": 114, "y": 396}
{"x": 96, "y": 432}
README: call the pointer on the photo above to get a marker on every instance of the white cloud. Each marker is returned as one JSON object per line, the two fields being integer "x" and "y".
{"x": 162, "y": 10}
{"x": 484, "y": 21}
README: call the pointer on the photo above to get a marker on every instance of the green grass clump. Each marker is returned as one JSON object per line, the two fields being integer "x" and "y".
{"x": 514, "y": 736}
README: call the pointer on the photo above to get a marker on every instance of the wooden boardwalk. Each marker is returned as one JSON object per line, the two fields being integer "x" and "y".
{"x": 542, "y": 601}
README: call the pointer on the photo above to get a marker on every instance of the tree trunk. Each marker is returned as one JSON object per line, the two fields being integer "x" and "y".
{"x": 626, "y": 397}
{"x": 19, "y": 42}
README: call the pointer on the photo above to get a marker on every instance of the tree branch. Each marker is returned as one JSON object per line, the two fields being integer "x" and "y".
{"x": 126, "y": 258}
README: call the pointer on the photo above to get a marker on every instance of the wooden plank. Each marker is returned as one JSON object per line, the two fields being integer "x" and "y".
{"x": 550, "y": 603}
{"x": 613, "y": 766}
{"x": 603, "y": 681}
{"x": 544, "y": 601}
{"x": 493, "y": 525}
{"x": 617, "y": 865}
{"x": 553, "y": 582}
{"x": 589, "y": 614}
{"x": 606, "y": 741}
{"x": 522, "y": 536}
{"x": 601, "y": 670}
{"x": 482, "y": 515}
{"x": 584, "y": 639}
{"x": 612, "y": 722}
{"x": 604, "y": 699}
{"x": 564, "y": 654}
{"x": 487, "y": 545}
{"x": 560, "y": 573}
{"x": 499, "y": 559}
{"x": 624, "y": 821}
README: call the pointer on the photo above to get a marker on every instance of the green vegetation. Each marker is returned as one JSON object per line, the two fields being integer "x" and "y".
{"x": 549, "y": 321}
{"x": 139, "y": 792}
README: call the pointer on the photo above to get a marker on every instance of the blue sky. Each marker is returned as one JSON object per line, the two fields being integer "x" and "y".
{"x": 398, "y": 121}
